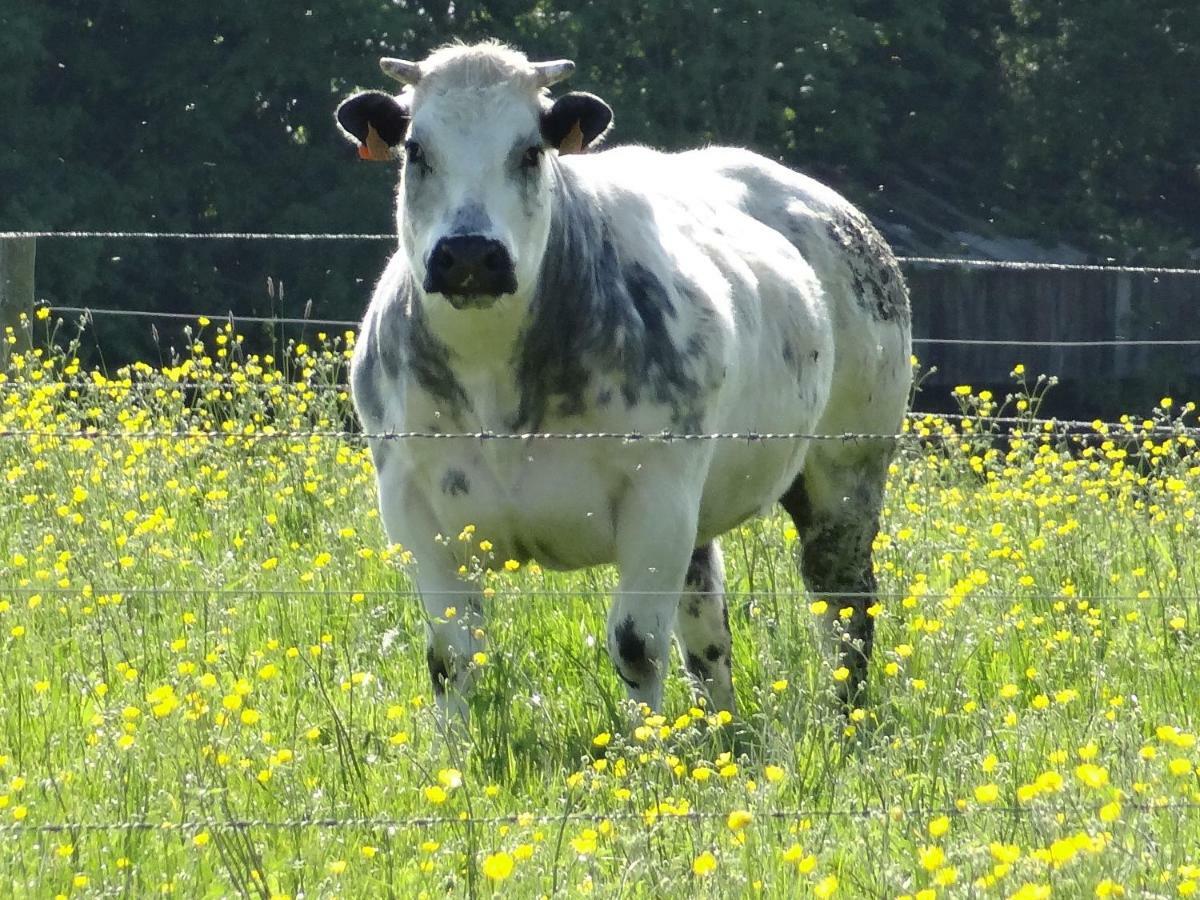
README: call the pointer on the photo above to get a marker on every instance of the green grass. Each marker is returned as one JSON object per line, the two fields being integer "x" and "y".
{"x": 201, "y": 630}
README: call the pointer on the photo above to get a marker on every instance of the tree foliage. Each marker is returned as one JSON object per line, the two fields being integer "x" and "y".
{"x": 1061, "y": 119}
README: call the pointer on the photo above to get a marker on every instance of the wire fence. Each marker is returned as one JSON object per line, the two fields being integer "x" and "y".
{"x": 974, "y": 597}
{"x": 972, "y": 424}
{"x": 921, "y": 261}
{"x": 353, "y": 324}
{"x": 266, "y": 433}
{"x": 367, "y": 823}
{"x": 955, "y": 261}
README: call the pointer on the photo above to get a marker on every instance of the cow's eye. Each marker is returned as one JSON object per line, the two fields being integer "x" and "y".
{"x": 531, "y": 158}
{"x": 414, "y": 154}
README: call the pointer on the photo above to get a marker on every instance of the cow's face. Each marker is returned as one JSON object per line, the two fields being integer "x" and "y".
{"x": 479, "y": 139}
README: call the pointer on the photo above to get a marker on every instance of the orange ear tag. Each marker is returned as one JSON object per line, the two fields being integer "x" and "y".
{"x": 374, "y": 148}
{"x": 573, "y": 142}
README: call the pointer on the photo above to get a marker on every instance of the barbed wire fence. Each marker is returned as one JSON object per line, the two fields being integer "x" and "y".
{"x": 368, "y": 823}
{"x": 934, "y": 429}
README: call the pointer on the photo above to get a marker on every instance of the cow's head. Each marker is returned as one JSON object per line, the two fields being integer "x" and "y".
{"x": 479, "y": 138}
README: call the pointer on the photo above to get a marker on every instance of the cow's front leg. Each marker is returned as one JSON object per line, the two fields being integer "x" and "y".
{"x": 656, "y": 532}
{"x": 453, "y": 612}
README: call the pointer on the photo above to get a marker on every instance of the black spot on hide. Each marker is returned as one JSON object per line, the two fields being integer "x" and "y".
{"x": 712, "y": 653}
{"x": 406, "y": 342}
{"x": 366, "y": 379}
{"x": 696, "y": 666}
{"x": 633, "y": 664}
{"x": 595, "y": 312}
{"x": 630, "y": 645}
{"x": 700, "y": 573}
{"x": 875, "y": 275}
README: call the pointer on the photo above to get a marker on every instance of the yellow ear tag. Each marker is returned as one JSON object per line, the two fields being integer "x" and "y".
{"x": 375, "y": 148}
{"x": 573, "y": 142}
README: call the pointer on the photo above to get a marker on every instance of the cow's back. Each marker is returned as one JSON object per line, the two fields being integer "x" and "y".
{"x": 864, "y": 287}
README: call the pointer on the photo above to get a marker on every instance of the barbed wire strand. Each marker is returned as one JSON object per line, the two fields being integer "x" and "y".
{"x": 204, "y": 235}
{"x": 752, "y": 594}
{"x": 194, "y": 317}
{"x": 1037, "y": 426}
{"x": 1084, "y": 429}
{"x": 938, "y": 261}
{"x": 386, "y": 824}
{"x": 353, "y": 324}
{"x": 189, "y": 384}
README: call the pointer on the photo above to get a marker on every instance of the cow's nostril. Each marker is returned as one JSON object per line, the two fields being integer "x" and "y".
{"x": 443, "y": 258}
{"x": 496, "y": 260}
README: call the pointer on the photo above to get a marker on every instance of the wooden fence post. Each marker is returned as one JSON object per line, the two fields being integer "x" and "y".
{"x": 17, "y": 257}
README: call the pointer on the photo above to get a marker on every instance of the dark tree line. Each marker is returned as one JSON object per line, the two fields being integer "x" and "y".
{"x": 1060, "y": 120}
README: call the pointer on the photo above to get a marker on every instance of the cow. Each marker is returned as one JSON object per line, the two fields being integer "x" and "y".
{"x": 540, "y": 289}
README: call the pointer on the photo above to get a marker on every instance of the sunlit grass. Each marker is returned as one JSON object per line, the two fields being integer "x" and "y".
{"x": 198, "y": 630}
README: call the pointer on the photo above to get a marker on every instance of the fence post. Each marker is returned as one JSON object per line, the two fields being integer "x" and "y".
{"x": 17, "y": 257}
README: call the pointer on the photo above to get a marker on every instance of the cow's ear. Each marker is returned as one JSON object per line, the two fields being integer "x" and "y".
{"x": 575, "y": 122}
{"x": 376, "y": 122}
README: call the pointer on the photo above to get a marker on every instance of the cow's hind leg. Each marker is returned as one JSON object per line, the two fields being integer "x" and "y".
{"x": 702, "y": 626}
{"x": 835, "y": 505}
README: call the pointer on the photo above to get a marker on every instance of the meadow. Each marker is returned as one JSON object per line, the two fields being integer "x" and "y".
{"x": 214, "y": 679}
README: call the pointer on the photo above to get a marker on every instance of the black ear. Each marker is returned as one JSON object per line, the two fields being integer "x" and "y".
{"x": 375, "y": 121}
{"x": 575, "y": 122}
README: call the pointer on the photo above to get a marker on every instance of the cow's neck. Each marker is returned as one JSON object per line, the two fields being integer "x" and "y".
{"x": 476, "y": 337}
{"x": 567, "y": 320}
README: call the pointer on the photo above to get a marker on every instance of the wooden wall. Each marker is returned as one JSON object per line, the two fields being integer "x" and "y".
{"x": 1035, "y": 305}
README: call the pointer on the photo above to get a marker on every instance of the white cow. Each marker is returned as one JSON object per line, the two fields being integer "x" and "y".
{"x": 540, "y": 289}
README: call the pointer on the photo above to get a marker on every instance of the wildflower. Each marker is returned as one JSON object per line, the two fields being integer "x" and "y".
{"x": 704, "y": 864}
{"x": 1092, "y": 775}
{"x": 585, "y": 842}
{"x": 825, "y": 887}
{"x": 739, "y": 819}
{"x": 497, "y": 866}
{"x": 1180, "y": 767}
{"x": 931, "y": 858}
{"x": 987, "y": 793}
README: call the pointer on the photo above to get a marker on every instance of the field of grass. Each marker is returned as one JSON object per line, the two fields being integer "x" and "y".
{"x": 210, "y": 629}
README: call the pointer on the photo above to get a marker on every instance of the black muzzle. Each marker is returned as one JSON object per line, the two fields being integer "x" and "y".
{"x": 470, "y": 268}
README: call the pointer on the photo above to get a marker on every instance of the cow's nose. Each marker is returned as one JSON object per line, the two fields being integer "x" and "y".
{"x": 470, "y": 265}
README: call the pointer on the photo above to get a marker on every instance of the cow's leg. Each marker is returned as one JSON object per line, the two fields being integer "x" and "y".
{"x": 655, "y": 530}
{"x": 835, "y": 505}
{"x": 702, "y": 626}
{"x": 453, "y": 611}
